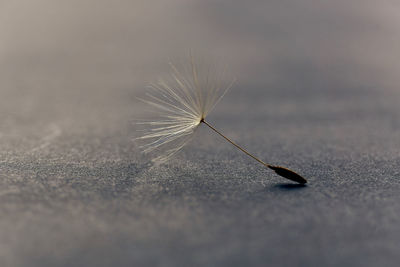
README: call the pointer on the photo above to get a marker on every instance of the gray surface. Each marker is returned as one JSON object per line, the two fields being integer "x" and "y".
{"x": 317, "y": 93}
{"x": 73, "y": 192}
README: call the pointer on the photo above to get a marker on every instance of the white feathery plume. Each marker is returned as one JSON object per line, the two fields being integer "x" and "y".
{"x": 183, "y": 102}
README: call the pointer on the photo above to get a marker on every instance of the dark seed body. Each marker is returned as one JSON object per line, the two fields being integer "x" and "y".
{"x": 288, "y": 174}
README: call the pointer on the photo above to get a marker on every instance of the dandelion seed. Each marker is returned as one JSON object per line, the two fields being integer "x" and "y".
{"x": 183, "y": 103}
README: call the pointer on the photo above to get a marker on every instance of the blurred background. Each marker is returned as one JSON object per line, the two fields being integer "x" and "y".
{"x": 75, "y": 58}
{"x": 317, "y": 84}
{"x": 60, "y": 55}
{"x": 98, "y": 49}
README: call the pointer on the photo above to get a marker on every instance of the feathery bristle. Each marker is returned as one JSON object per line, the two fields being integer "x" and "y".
{"x": 182, "y": 100}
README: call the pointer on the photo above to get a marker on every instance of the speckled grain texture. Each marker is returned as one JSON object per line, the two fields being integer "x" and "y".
{"x": 76, "y": 193}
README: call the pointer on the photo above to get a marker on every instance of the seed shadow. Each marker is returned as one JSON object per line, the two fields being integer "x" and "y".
{"x": 290, "y": 187}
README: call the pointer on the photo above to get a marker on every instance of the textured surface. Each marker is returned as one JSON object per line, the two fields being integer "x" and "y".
{"x": 74, "y": 193}
{"x": 316, "y": 93}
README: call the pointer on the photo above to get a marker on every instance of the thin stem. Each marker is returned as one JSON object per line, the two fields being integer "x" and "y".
{"x": 236, "y": 145}
{"x": 282, "y": 171}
